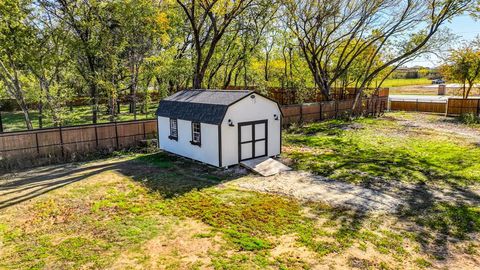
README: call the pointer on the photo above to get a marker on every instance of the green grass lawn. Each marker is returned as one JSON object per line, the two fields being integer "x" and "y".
{"x": 14, "y": 121}
{"x": 405, "y": 82}
{"x": 150, "y": 211}
{"x": 382, "y": 149}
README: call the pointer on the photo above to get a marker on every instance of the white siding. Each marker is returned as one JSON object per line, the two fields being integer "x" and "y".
{"x": 247, "y": 110}
{"x": 207, "y": 152}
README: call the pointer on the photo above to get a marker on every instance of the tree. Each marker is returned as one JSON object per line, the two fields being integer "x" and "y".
{"x": 209, "y": 20}
{"x": 88, "y": 27}
{"x": 334, "y": 34}
{"x": 49, "y": 64}
{"x": 15, "y": 41}
{"x": 143, "y": 26}
{"x": 463, "y": 65}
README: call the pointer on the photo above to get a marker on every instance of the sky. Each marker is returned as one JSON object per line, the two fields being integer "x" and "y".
{"x": 464, "y": 26}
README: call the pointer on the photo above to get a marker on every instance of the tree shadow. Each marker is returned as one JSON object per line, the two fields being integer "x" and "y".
{"x": 164, "y": 173}
{"x": 170, "y": 175}
{"x": 40, "y": 182}
{"x": 438, "y": 205}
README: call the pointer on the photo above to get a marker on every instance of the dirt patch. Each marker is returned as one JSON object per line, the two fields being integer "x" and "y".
{"x": 183, "y": 244}
{"x": 440, "y": 124}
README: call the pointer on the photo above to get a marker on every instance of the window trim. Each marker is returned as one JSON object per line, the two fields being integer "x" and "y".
{"x": 199, "y": 142}
{"x": 171, "y": 137}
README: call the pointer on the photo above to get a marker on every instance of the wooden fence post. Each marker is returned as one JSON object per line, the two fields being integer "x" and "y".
{"x": 96, "y": 136}
{"x": 116, "y": 135}
{"x": 320, "y": 109}
{"x": 36, "y": 143}
{"x": 61, "y": 141}
{"x": 478, "y": 107}
{"x": 1, "y": 123}
{"x": 336, "y": 109}
{"x": 446, "y": 107}
{"x": 301, "y": 113}
{"x": 144, "y": 131}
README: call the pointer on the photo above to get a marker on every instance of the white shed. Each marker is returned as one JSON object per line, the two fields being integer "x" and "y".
{"x": 221, "y": 127}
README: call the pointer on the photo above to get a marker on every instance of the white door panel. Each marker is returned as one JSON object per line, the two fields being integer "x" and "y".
{"x": 246, "y": 149}
{"x": 260, "y": 131}
{"x": 260, "y": 148}
{"x": 246, "y": 133}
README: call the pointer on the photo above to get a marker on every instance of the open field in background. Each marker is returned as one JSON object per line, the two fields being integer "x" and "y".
{"x": 159, "y": 211}
{"x": 14, "y": 121}
{"x": 430, "y": 90}
{"x": 406, "y": 82}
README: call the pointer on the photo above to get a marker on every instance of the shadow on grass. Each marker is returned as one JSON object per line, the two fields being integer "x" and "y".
{"x": 432, "y": 178}
{"x": 161, "y": 172}
{"x": 171, "y": 175}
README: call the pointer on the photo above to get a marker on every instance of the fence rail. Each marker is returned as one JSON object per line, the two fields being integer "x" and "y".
{"x": 451, "y": 107}
{"x": 48, "y": 145}
{"x": 418, "y": 106}
{"x": 459, "y": 106}
{"x": 318, "y": 111}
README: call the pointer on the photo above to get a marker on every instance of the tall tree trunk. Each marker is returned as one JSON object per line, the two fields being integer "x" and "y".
{"x": 40, "y": 114}
{"x": 285, "y": 68}
{"x": 267, "y": 59}
{"x": 23, "y": 106}
{"x": 14, "y": 88}
{"x": 26, "y": 114}
{"x": 45, "y": 87}
{"x": 290, "y": 65}
{"x": 94, "y": 102}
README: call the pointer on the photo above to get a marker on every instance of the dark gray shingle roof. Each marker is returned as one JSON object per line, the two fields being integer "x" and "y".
{"x": 206, "y": 106}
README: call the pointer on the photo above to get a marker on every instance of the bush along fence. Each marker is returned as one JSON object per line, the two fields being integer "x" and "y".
{"x": 51, "y": 145}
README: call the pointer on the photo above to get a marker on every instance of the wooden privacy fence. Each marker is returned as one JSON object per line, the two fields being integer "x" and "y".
{"x": 309, "y": 112}
{"x": 450, "y": 107}
{"x": 44, "y": 146}
{"x": 66, "y": 143}
{"x": 459, "y": 106}
{"x": 418, "y": 106}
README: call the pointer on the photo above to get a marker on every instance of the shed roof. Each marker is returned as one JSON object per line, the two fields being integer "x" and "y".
{"x": 206, "y": 106}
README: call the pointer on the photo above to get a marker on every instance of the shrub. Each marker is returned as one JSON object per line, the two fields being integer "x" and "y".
{"x": 469, "y": 119}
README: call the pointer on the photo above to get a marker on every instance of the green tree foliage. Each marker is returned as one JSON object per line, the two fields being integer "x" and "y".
{"x": 16, "y": 41}
{"x": 463, "y": 65}
{"x": 56, "y": 53}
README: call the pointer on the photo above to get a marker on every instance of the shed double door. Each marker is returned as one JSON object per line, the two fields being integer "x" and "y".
{"x": 252, "y": 139}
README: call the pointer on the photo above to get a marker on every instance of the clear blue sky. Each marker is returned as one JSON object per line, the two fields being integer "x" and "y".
{"x": 464, "y": 26}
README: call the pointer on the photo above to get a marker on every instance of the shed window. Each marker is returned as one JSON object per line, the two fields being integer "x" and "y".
{"x": 173, "y": 129}
{"x": 196, "y": 134}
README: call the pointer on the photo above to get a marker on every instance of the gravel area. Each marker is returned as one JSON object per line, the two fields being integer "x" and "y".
{"x": 309, "y": 187}
{"x": 378, "y": 197}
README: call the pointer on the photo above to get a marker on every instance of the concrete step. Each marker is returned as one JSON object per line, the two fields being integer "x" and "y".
{"x": 265, "y": 166}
